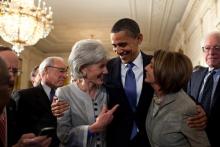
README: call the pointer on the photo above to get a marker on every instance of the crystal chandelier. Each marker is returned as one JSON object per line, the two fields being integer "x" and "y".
{"x": 22, "y": 23}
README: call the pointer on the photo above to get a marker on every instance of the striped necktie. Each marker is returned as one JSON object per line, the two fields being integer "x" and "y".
{"x": 207, "y": 92}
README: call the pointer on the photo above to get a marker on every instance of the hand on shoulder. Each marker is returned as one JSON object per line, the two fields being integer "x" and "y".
{"x": 30, "y": 140}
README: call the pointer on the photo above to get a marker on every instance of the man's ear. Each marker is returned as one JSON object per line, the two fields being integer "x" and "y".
{"x": 45, "y": 71}
{"x": 140, "y": 38}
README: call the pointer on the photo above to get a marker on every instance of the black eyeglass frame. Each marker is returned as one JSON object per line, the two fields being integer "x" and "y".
{"x": 60, "y": 69}
{"x": 208, "y": 48}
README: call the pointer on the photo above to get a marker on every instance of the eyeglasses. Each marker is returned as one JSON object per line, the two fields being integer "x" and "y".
{"x": 208, "y": 48}
{"x": 60, "y": 69}
{"x": 14, "y": 71}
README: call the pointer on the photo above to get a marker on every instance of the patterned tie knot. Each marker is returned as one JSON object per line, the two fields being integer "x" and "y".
{"x": 52, "y": 93}
{"x": 130, "y": 72}
{"x": 209, "y": 80}
{"x": 211, "y": 73}
{"x": 130, "y": 65}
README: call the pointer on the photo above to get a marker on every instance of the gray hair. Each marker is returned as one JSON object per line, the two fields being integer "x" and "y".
{"x": 214, "y": 34}
{"x": 84, "y": 53}
{"x": 49, "y": 61}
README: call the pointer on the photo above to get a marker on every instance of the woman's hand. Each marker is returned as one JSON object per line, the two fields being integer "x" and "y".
{"x": 105, "y": 117}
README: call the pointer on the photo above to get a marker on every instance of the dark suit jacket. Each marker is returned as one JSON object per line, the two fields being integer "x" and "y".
{"x": 34, "y": 111}
{"x": 11, "y": 123}
{"x": 213, "y": 125}
{"x": 118, "y": 132}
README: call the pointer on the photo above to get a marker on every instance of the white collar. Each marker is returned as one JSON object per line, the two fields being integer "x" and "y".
{"x": 138, "y": 62}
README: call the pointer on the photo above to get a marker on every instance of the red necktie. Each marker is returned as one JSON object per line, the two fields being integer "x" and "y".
{"x": 2, "y": 128}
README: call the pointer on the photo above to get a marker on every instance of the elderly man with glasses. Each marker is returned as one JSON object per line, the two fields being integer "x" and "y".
{"x": 9, "y": 136}
{"x": 204, "y": 85}
{"x": 34, "y": 111}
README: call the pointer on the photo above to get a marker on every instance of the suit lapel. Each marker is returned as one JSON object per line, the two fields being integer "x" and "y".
{"x": 146, "y": 60}
{"x": 198, "y": 80}
{"x": 42, "y": 97}
{"x": 216, "y": 94}
{"x": 114, "y": 78}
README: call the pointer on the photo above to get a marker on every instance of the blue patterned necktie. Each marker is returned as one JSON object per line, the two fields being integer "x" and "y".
{"x": 131, "y": 93}
{"x": 207, "y": 92}
{"x": 52, "y": 94}
{"x": 130, "y": 87}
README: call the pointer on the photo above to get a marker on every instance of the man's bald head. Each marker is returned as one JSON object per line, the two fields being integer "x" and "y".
{"x": 11, "y": 60}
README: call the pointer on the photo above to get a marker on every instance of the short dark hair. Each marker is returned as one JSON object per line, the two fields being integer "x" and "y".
{"x": 172, "y": 70}
{"x": 128, "y": 25}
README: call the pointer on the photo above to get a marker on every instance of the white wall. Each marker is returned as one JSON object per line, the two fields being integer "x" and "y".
{"x": 30, "y": 57}
{"x": 200, "y": 17}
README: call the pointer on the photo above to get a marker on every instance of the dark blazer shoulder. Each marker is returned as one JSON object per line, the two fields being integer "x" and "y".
{"x": 29, "y": 93}
{"x": 31, "y": 90}
{"x": 194, "y": 84}
{"x": 146, "y": 58}
{"x": 113, "y": 78}
{"x": 200, "y": 72}
{"x": 11, "y": 106}
{"x": 114, "y": 62}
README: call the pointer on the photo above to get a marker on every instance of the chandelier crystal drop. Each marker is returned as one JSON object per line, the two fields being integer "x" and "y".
{"x": 22, "y": 23}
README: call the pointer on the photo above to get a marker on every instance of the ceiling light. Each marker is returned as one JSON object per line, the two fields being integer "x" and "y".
{"x": 22, "y": 23}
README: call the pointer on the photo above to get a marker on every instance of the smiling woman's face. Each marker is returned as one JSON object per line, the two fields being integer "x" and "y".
{"x": 95, "y": 72}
